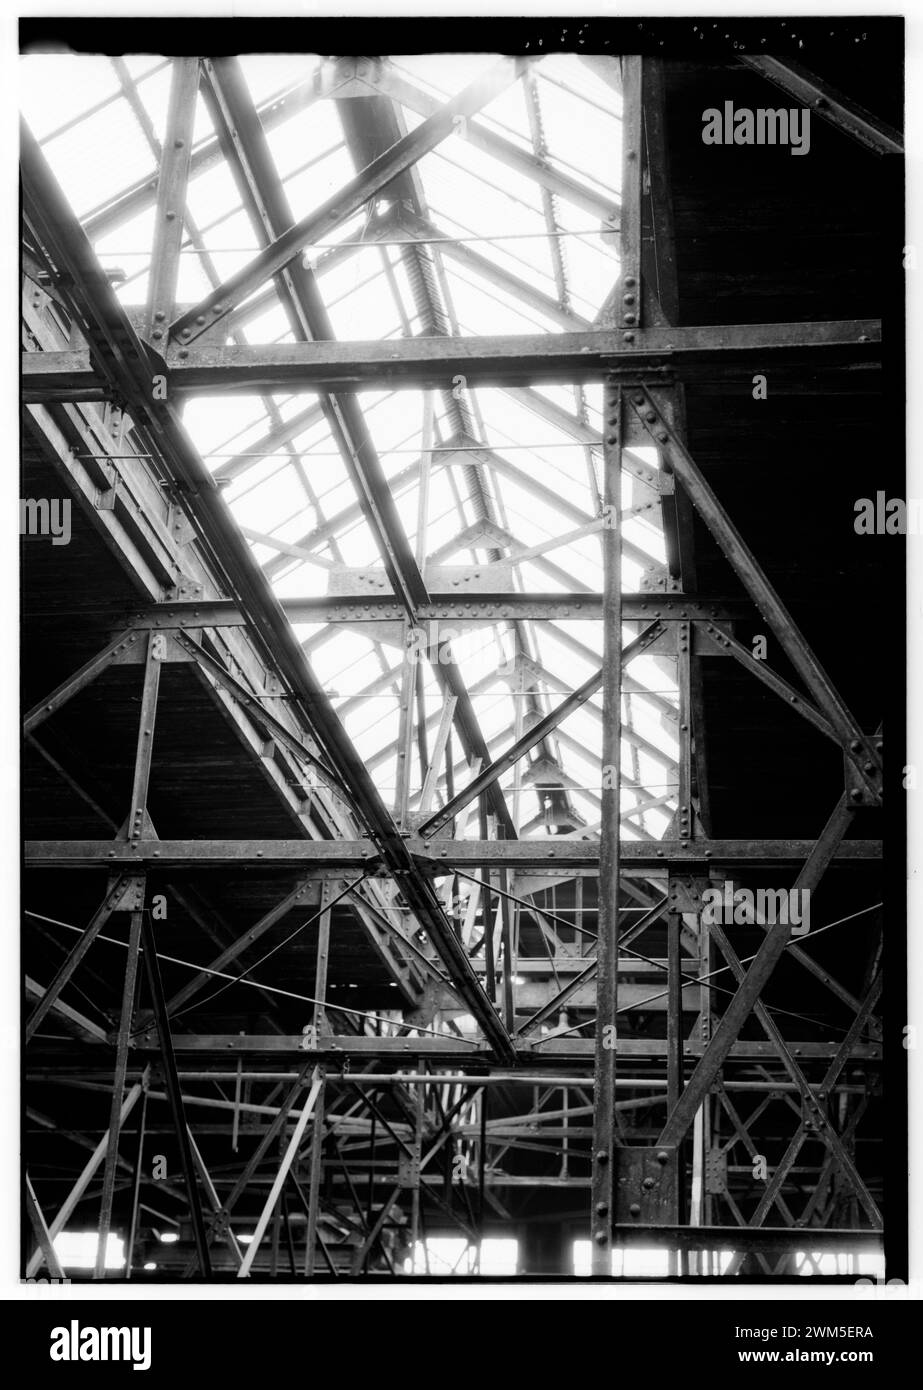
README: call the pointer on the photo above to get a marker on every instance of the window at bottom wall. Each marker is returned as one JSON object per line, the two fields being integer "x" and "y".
{"x": 443, "y": 1255}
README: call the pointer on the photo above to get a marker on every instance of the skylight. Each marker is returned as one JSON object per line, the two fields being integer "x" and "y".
{"x": 506, "y": 227}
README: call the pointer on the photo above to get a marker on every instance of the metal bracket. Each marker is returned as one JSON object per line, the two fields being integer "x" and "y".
{"x": 408, "y": 1170}
{"x": 857, "y": 786}
{"x": 131, "y": 897}
{"x": 184, "y": 590}
{"x": 647, "y": 1186}
{"x": 685, "y": 893}
{"x": 716, "y": 1172}
{"x": 656, "y": 579}
{"x": 179, "y": 525}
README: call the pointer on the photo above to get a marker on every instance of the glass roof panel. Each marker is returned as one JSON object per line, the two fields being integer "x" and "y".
{"x": 526, "y": 256}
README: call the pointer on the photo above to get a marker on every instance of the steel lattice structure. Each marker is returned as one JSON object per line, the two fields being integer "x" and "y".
{"x": 437, "y": 1044}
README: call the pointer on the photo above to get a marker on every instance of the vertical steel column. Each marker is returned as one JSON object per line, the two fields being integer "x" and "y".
{"x": 678, "y": 1258}
{"x": 683, "y": 829}
{"x": 674, "y": 1008}
{"x": 603, "y": 1181}
{"x": 329, "y": 889}
{"x": 315, "y": 1172}
{"x": 405, "y": 725}
{"x": 136, "y": 1189}
{"x": 316, "y": 1164}
{"x": 137, "y": 815}
{"x": 627, "y": 316}
{"x": 118, "y": 1085}
{"x": 509, "y": 953}
{"x": 171, "y": 1075}
{"x": 490, "y": 971}
{"x": 415, "y": 1168}
{"x": 685, "y": 818}
{"x": 171, "y": 198}
{"x": 133, "y": 829}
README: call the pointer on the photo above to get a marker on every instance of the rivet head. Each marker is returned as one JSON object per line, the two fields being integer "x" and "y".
{"x": 628, "y": 337}
{"x": 631, "y": 318}
{"x": 635, "y": 1209}
{"x": 601, "y": 1237}
{"x": 628, "y": 299}
{"x": 602, "y": 1156}
{"x": 647, "y": 1184}
{"x": 630, "y": 281}
{"x": 663, "y": 1156}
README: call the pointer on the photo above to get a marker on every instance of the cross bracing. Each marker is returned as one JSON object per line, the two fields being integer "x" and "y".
{"x": 369, "y": 380}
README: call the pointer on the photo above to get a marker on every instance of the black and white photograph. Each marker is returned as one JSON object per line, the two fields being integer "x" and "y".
{"x": 467, "y": 599}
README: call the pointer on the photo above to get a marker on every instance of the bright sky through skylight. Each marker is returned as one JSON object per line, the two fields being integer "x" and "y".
{"x": 520, "y": 256}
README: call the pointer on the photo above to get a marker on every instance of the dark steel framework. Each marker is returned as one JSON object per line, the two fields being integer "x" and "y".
{"x": 365, "y": 1141}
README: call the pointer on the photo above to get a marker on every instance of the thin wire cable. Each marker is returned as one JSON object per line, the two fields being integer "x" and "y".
{"x": 254, "y": 984}
{"x": 745, "y": 960}
{"x": 271, "y": 952}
